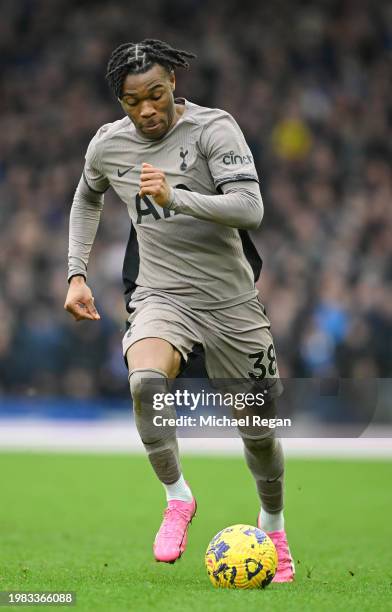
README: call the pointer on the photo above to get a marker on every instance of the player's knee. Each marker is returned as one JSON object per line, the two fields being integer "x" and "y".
{"x": 255, "y": 437}
{"x": 137, "y": 382}
{"x": 148, "y": 389}
{"x": 258, "y": 445}
{"x": 144, "y": 385}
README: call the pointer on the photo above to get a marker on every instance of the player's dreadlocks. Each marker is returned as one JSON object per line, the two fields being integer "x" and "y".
{"x": 135, "y": 58}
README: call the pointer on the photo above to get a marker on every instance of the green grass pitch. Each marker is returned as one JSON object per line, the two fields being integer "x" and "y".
{"x": 86, "y": 523}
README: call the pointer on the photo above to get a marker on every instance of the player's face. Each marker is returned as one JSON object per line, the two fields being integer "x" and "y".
{"x": 149, "y": 102}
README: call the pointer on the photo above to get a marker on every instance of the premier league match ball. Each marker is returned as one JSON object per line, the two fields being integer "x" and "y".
{"x": 241, "y": 557}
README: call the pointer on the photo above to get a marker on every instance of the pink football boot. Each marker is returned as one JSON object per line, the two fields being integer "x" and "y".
{"x": 286, "y": 569}
{"x": 171, "y": 539}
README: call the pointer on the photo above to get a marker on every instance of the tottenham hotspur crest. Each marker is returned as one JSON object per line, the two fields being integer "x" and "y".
{"x": 183, "y": 155}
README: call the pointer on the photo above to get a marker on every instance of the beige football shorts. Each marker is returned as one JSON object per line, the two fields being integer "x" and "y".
{"x": 236, "y": 340}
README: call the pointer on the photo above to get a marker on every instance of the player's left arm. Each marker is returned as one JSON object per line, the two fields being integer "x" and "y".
{"x": 232, "y": 168}
{"x": 239, "y": 206}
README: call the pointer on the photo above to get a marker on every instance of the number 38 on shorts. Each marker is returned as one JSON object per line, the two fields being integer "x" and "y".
{"x": 263, "y": 364}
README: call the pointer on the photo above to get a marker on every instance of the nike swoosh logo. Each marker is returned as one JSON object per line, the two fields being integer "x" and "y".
{"x": 120, "y": 174}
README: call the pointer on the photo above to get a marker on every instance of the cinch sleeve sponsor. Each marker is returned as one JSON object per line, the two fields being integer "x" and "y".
{"x": 228, "y": 155}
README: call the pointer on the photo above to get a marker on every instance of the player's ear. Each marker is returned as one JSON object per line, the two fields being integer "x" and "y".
{"x": 172, "y": 79}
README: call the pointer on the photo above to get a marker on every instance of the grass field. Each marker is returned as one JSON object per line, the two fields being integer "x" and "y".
{"x": 86, "y": 523}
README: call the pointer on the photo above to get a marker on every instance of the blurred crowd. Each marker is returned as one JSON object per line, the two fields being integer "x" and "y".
{"x": 310, "y": 85}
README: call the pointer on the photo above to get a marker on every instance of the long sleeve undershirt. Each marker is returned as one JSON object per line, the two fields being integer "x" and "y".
{"x": 83, "y": 224}
{"x": 240, "y": 206}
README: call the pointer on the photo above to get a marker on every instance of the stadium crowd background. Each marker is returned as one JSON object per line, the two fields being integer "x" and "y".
{"x": 310, "y": 85}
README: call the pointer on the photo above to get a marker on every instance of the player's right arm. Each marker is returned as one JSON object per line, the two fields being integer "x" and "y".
{"x": 85, "y": 214}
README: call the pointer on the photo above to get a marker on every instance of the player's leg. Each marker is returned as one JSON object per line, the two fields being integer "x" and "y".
{"x": 242, "y": 349}
{"x": 265, "y": 459}
{"x": 152, "y": 361}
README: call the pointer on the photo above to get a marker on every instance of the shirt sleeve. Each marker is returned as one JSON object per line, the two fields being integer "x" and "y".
{"x": 83, "y": 224}
{"x": 93, "y": 174}
{"x": 240, "y": 205}
{"x": 86, "y": 210}
{"x": 228, "y": 155}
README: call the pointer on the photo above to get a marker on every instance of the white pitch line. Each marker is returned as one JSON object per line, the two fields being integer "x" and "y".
{"x": 120, "y": 436}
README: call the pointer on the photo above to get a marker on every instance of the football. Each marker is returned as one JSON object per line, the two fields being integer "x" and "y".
{"x": 241, "y": 557}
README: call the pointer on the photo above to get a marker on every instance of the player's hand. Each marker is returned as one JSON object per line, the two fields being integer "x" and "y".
{"x": 153, "y": 182}
{"x": 80, "y": 301}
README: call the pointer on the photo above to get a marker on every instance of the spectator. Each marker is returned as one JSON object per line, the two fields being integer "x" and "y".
{"x": 309, "y": 84}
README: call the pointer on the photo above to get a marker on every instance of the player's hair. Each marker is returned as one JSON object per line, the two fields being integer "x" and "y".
{"x": 136, "y": 58}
